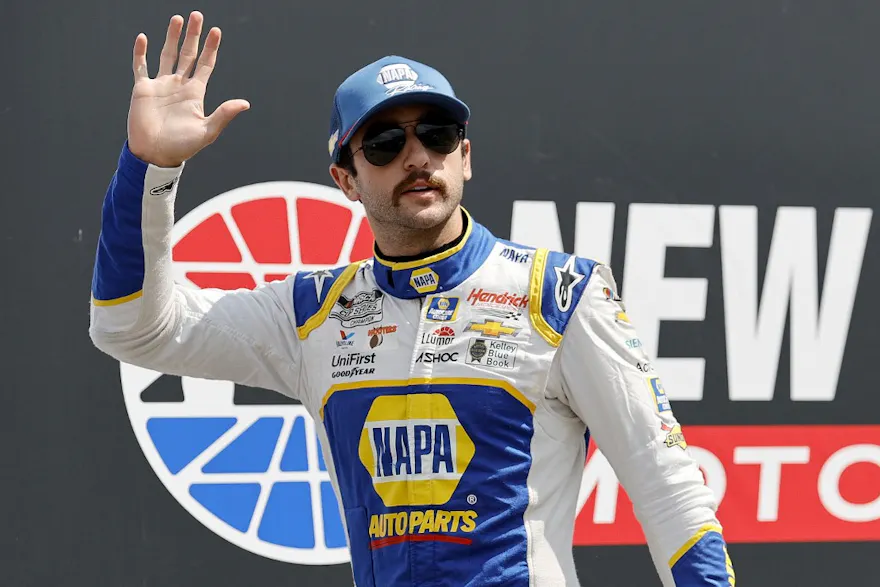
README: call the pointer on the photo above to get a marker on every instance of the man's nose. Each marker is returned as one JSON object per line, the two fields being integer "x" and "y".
{"x": 414, "y": 152}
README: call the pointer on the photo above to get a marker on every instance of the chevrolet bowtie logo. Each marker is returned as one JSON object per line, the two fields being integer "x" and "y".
{"x": 492, "y": 328}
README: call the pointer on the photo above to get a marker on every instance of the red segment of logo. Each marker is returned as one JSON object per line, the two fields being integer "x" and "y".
{"x": 263, "y": 224}
{"x": 210, "y": 241}
{"x": 777, "y": 484}
{"x": 363, "y": 242}
{"x": 275, "y": 277}
{"x": 222, "y": 280}
{"x": 322, "y": 230}
{"x": 444, "y": 331}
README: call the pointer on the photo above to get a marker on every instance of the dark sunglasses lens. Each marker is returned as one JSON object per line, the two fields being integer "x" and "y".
{"x": 443, "y": 138}
{"x": 384, "y": 147}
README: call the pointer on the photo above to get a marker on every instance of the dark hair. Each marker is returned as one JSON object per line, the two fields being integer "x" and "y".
{"x": 346, "y": 161}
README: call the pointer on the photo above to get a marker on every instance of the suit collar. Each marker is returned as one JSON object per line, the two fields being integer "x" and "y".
{"x": 436, "y": 271}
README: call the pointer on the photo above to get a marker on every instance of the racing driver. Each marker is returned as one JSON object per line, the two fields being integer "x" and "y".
{"x": 455, "y": 426}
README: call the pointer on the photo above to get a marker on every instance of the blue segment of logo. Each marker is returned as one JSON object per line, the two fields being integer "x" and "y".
{"x": 179, "y": 440}
{"x": 288, "y": 520}
{"x": 295, "y": 457}
{"x": 233, "y": 503}
{"x": 321, "y": 462}
{"x": 334, "y": 534}
{"x": 251, "y": 452}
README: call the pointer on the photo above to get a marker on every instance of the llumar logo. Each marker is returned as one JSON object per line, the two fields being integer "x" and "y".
{"x": 415, "y": 450}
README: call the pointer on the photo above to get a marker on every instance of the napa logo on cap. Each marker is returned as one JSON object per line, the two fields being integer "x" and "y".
{"x": 400, "y": 77}
{"x": 415, "y": 449}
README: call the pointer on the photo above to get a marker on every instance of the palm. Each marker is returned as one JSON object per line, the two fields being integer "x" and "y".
{"x": 166, "y": 122}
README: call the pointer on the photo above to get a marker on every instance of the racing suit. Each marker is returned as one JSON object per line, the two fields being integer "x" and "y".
{"x": 455, "y": 424}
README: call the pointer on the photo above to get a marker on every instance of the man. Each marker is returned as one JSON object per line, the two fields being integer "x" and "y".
{"x": 455, "y": 427}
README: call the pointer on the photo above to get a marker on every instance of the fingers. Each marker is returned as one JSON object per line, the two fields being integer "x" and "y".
{"x": 190, "y": 43}
{"x": 223, "y": 115}
{"x": 139, "y": 58}
{"x": 169, "y": 50}
{"x": 209, "y": 56}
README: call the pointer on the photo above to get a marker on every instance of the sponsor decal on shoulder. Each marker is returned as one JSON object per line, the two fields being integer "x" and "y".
{"x": 611, "y": 295}
{"x": 566, "y": 280}
{"x": 515, "y": 255}
{"x": 645, "y": 366}
{"x": 492, "y": 353}
{"x": 364, "y": 308}
{"x": 659, "y": 394}
{"x": 319, "y": 277}
{"x": 441, "y": 336}
{"x": 674, "y": 436}
{"x": 442, "y": 309}
{"x": 493, "y": 328}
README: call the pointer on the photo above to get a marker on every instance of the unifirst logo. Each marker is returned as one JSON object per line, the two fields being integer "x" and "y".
{"x": 414, "y": 449}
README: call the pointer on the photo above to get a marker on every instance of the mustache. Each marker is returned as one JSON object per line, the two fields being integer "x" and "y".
{"x": 419, "y": 175}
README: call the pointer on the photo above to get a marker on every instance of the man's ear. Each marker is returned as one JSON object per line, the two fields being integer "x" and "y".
{"x": 345, "y": 181}
{"x": 466, "y": 156}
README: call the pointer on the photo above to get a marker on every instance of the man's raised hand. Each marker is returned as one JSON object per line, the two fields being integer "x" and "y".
{"x": 166, "y": 120}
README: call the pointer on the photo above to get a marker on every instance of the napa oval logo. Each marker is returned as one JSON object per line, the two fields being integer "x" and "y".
{"x": 415, "y": 449}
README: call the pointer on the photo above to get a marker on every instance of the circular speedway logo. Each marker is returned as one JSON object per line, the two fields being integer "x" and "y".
{"x": 247, "y": 463}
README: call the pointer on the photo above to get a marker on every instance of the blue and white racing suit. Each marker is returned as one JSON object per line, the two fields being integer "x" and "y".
{"x": 455, "y": 425}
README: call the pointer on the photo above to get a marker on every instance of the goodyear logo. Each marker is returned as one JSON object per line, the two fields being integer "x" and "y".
{"x": 415, "y": 450}
{"x": 424, "y": 280}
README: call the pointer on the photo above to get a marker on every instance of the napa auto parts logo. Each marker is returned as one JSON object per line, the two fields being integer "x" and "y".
{"x": 774, "y": 483}
{"x": 252, "y": 473}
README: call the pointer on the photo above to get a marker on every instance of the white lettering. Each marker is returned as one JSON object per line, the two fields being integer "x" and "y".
{"x": 770, "y": 459}
{"x": 829, "y": 483}
{"x": 536, "y": 224}
{"x": 818, "y": 333}
{"x": 650, "y": 297}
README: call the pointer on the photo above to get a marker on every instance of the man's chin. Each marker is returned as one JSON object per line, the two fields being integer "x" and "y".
{"x": 423, "y": 212}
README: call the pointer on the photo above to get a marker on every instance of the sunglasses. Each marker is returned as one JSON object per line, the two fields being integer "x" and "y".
{"x": 383, "y": 142}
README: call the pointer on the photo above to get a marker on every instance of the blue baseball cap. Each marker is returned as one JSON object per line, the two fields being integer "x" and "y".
{"x": 390, "y": 81}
